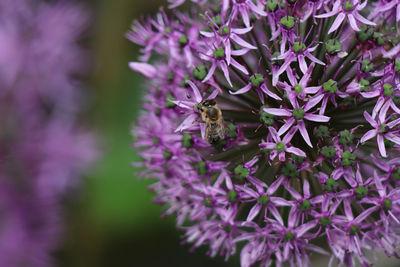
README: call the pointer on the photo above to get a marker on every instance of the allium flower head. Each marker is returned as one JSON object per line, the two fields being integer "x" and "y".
{"x": 306, "y": 95}
{"x": 43, "y": 150}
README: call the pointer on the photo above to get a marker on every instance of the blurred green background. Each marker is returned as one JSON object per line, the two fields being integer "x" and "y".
{"x": 112, "y": 221}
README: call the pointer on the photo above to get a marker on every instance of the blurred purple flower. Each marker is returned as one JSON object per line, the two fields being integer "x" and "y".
{"x": 43, "y": 149}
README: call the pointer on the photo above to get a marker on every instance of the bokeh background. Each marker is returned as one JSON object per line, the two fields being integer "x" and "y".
{"x": 112, "y": 221}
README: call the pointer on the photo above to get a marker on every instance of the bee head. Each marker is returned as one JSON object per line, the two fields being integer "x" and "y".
{"x": 212, "y": 113}
{"x": 209, "y": 103}
{"x": 199, "y": 107}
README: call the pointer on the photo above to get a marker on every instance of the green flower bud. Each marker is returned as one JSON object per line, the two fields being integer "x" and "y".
{"x": 331, "y": 185}
{"x": 348, "y": 159}
{"x": 217, "y": 20}
{"x": 297, "y": 47}
{"x": 200, "y": 72}
{"x": 387, "y": 204}
{"x": 298, "y": 159}
{"x": 241, "y": 172}
{"x": 328, "y": 152}
{"x": 232, "y": 196}
{"x": 330, "y": 86}
{"x": 298, "y": 113}
{"x": 183, "y": 40}
{"x": 263, "y": 200}
{"x": 305, "y": 205}
{"x": 207, "y": 201}
{"x": 364, "y": 85}
{"x": 365, "y": 33}
{"x": 201, "y": 168}
{"x": 219, "y": 53}
{"x": 366, "y": 65}
{"x": 354, "y": 229}
{"x": 167, "y": 154}
{"x": 288, "y": 22}
{"x": 257, "y": 80}
{"x": 396, "y": 175}
{"x": 187, "y": 141}
{"x": 388, "y": 89}
{"x": 322, "y": 131}
{"x": 345, "y": 137}
{"x": 184, "y": 81}
{"x": 333, "y": 46}
{"x": 379, "y": 38}
{"x": 168, "y": 98}
{"x": 361, "y": 192}
{"x": 298, "y": 88}
{"x": 290, "y": 170}
{"x": 280, "y": 147}
{"x": 223, "y": 30}
{"x": 325, "y": 220}
{"x": 289, "y": 236}
{"x": 272, "y": 5}
{"x": 397, "y": 65}
{"x": 348, "y": 6}
{"x": 382, "y": 128}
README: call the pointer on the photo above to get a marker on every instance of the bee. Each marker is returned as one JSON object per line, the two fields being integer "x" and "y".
{"x": 211, "y": 114}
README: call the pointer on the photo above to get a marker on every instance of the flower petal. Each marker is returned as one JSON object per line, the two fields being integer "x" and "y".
{"x": 313, "y": 102}
{"x": 296, "y": 151}
{"x": 225, "y": 70}
{"x": 278, "y": 112}
{"x": 210, "y": 73}
{"x": 286, "y": 126}
{"x": 304, "y": 133}
{"x": 242, "y": 90}
{"x": 269, "y": 93}
{"x": 317, "y": 118}
{"x": 301, "y": 230}
{"x": 365, "y": 214}
{"x": 196, "y": 92}
{"x": 145, "y": 69}
{"x": 370, "y": 119}
{"x": 302, "y": 64}
{"x": 338, "y": 21}
{"x": 268, "y": 145}
{"x": 353, "y": 22}
{"x": 242, "y": 42}
{"x": 187, "y": 123}
{"x": 314, "y": 59}
{"x": 368, "y": 135}
{"x": 239, "y": 67}
{"x": 381, "y": 145}
{"x": 363, "y": 20}
{"x": 254, "y": 212}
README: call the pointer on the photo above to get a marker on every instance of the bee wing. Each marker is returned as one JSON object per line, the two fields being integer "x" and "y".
{"x": 207, "y": 131}
{"x": 210, "y": 134}
{"x": 223, "y": 131}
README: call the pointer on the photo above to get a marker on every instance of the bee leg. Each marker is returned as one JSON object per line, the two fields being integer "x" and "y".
{"x": 221, "y": 135}
{"x": 213, "y": 140}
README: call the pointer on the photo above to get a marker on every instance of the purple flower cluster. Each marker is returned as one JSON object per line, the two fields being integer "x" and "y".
{"x": 309, "y": 92}
{"x": 43, "y": 150}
